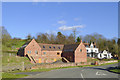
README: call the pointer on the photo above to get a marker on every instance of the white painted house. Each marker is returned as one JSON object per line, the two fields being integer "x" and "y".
{"x": 105, "y": 54}
{"x": 92, "y": 51}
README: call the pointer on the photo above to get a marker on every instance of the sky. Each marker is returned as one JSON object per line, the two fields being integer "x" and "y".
{"x": 23, "y": 18}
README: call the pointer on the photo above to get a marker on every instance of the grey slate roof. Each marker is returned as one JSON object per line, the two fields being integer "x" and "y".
{"x": 56, "y": 47}
{"x": 24, "y": 45}
{"x": 51, "y": 47}
{"x": 70, "y": 47}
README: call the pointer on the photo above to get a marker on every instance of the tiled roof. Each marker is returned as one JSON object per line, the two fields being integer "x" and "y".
{"x": 70, "y": 47}
{"x": 51, "y": 47}
{"x": 86, "y": 44}
{"x": 57, "y": 47}
{"x": 24, "y": 45}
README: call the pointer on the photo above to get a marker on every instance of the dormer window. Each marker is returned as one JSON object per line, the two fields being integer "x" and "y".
{"x": 43, "y": 46}
{"x": 58, "y": 47}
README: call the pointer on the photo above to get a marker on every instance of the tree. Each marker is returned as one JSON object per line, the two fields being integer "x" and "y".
{"x": 78, "y": 39}
{"x": 60, "y": 39}
{"x": 5, "y": 36}
{"x": 52, "y": 38}
{"x": 113, "y": 41}
{"x": 44, "y": 38}
{"x": 74, "y": 34}
{"x": 29, "y": 37}
{"x": 118, "y": 43}
{"x": 70, "y": 39}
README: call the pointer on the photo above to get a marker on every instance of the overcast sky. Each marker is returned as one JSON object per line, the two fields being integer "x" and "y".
{"x": 21, "y": 19}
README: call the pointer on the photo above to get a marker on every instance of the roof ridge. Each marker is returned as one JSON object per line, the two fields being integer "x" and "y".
{"x": 50, "y": 44}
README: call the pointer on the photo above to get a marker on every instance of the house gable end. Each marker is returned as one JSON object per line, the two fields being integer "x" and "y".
{"x": 32, "y": 48}
{"x": 80, "y": 53}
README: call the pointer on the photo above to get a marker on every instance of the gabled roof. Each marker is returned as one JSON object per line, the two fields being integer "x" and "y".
{"x": 70, "y": 47}
{"x": 86, "y": 44}
{"x": 51, "y": 47}
{"x": 24, "y": 45}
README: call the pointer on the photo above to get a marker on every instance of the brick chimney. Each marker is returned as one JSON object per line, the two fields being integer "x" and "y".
{"x": 81, "y": 41}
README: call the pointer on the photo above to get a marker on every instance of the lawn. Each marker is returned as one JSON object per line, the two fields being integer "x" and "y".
{"x": 49, "y": 69}
{"x": 12, "y": 45}
{"x": 11, "y": 76}
{"x": 12, "y": 59}
{"x": 115, "y": 70}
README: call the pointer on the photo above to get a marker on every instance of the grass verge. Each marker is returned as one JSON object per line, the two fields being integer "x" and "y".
{"x": 11, "y": 76}
{"x": 115, "y": 70}
{"x": 49, "y": 69}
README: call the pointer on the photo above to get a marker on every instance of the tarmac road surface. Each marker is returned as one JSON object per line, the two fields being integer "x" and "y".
{"x": 81, "y": 72}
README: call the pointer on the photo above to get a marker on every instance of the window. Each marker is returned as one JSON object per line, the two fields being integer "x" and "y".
{"x": 87, "y": 50}
{"x": 36, "y": 52}
{"x": 58, "y": 53}
{"x": 91, "y": 50}
{"x": 86, "y": 46}
{"x": 43, "y": 46}
{"x": 58, "y": 47}
{"x": 87, "y": 55}
{"x": 44, "y": 52}
{"x": 54, "y": 47}
{"x": 95, "y": 50}
{"x": 49, "y": 46}
{"x": 28, "y": 51}
{"x": 80, "y": 50}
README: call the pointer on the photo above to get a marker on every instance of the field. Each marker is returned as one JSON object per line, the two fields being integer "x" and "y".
{"x": 12, "y": 59}
{"x": 12, "y": 45}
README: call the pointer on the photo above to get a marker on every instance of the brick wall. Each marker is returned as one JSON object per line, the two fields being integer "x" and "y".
{"x": 51, "y": 56}
{"x": 80, "y": 54}
{"x": 33, "y": 48}
{"x": 45, "y": 56}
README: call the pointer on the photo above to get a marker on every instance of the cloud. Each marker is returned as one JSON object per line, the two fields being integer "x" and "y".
{"x": 61, "y": 22}
{"x": 66, "y": 28}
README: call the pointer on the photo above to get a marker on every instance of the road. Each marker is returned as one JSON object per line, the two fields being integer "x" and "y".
{"x": 82, "y": 72}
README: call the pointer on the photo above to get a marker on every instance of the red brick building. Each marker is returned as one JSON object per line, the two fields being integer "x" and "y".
{"x": 48, "y": 53}
{"x": 75, "y": 53}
